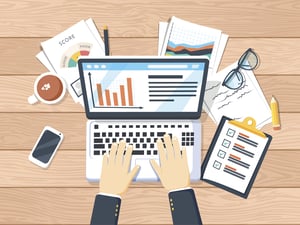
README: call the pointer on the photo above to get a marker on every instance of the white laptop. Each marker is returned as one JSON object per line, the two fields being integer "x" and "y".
{"x": 139, "y": 99}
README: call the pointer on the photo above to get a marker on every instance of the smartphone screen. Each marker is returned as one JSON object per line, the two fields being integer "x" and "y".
{"x": 46, "y": 146}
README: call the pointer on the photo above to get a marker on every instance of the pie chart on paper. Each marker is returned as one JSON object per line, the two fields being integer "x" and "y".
{"x": 70, "y": 57}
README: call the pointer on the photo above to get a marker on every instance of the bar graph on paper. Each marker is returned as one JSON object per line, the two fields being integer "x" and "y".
{"x": 117, "y": 96}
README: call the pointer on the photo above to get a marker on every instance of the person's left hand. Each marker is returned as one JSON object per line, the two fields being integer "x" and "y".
{"x": 115, "y": 176}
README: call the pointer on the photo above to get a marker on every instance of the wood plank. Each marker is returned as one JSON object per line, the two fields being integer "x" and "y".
{"x": 274, "y": 54}
{"x": 68, "y": 170}
{"x": 277, "y": 55}
{"x": 60, "y": 194}
{"x": 16, "y": 89}
{"x": 20, "y": 130}
{"x": 285, "y": 88}
{"x": 74, "y": 205}
{"x": 136, "y": 19}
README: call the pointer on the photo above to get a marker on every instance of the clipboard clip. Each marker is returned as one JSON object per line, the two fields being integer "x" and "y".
{"x": 248, "y": 124}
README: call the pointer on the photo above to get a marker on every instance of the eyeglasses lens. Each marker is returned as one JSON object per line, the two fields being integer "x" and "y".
{"x": 234, "y": 80}
{"x": 248, "y": 61}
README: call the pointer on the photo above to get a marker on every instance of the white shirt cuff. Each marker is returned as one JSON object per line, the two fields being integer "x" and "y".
{"x": 109, "y": 195}
{"x": 180, "y": 189}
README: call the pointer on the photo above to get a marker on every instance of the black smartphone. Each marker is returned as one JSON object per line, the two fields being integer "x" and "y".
{"x": 46, "y": 146}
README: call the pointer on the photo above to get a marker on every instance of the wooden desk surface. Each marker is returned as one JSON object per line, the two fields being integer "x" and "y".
{"x": 61, "y": 195}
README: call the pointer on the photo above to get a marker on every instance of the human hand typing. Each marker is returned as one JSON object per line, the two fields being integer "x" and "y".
{"x": 173, "y": 170}
{"x": 115, "y": 176}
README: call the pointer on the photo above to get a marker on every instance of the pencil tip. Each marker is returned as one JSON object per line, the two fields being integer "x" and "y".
{"x": 105, "y": 27}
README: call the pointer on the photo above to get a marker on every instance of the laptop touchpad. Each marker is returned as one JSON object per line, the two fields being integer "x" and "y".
{"x": 146, "y": 171}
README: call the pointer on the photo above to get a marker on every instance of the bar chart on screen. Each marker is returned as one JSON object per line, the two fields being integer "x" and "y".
{"x": 118, "y": 95}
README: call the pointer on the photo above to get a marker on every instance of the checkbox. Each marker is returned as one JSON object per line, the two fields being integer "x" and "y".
{"x": 221, "y": 154}
{"x": 217, "y": 165}
{"x": 226, "y": 143}
{"x": 230, "y": 132}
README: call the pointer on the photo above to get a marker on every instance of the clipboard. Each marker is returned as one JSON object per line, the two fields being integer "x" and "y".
{"x": 235, "y": 155}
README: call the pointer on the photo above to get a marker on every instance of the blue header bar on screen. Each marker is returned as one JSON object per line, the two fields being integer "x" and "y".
{"x": 143, "y": 66}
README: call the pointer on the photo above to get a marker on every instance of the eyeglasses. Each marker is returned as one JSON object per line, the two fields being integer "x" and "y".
{"x": 235, "y": 79}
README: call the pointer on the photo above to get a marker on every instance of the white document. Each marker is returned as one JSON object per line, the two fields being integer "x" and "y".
{"x": 248, "y": 100}
{"x": 64, "y": 49}
{"x": 60, "y": 53}
{"x": 92, "y": 26}
{"x": 162, "y": 30}
{"x": 234, "y": 158}
{"x": 43, "y": 59}
{"x": 185, "y": 38}
{"x": 220, "y": 51}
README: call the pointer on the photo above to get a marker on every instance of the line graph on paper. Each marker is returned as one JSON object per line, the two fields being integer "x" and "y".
{"x": 187, "y": 41}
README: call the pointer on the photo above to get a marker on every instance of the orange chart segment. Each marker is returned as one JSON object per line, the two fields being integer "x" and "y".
{"x": 122, "y": 92}
{"x": 123, "y": 96}
{"x": 129, "y": 86}
{"x": 115, "y": 97}
{"x": 107, "y": 95}
{"x": 100, "y": 97}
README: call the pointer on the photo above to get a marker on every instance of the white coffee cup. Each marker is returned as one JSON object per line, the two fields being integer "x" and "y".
{"x": 49, "y": 88}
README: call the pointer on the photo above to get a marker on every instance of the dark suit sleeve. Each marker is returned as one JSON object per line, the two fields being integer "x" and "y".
{"x": 106, "y": 210}
{"x": 184, "y": 207}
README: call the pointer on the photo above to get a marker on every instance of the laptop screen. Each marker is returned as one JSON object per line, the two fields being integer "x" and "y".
{"x": 143, "y": 87}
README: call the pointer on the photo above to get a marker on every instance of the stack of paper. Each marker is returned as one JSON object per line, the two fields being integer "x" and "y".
{"x": 60, "y": 53}
{"x": 238, "y": 104}
{"x": 183, "y": 38}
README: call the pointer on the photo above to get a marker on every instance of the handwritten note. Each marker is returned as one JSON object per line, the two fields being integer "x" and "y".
{"x": 248, "y": 100}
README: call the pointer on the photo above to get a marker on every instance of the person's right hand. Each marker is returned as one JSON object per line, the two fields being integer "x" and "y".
{"x": 115, "y": 174}
{"x": 173, "y": 170}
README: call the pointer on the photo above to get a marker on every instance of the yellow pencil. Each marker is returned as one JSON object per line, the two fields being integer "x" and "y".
{"x": 275, "y": 114}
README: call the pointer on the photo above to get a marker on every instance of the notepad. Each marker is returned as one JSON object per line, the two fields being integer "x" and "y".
{"x": 235, "y": 155}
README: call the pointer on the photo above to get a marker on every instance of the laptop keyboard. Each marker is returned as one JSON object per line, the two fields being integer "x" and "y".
{"x": 143, "y": 137}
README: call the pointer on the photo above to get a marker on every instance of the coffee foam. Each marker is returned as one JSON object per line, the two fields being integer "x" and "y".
{"x": 49, "y": 87}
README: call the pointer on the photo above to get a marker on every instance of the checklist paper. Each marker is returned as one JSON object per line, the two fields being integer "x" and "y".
{"x": 234, "y": 157}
